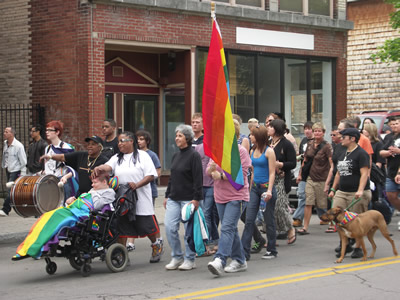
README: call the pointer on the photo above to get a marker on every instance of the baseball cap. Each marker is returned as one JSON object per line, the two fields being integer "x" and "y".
{"x": 351, "y": 132}
{"x": 95, "y": 139}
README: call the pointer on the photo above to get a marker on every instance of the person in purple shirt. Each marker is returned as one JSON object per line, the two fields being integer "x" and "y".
{"x": 208, "y": 205}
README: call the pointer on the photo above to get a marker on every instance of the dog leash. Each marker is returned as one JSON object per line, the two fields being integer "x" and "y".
{"x": 353, "y": 202}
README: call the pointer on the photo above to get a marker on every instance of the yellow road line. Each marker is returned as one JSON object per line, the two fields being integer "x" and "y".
{"x": 259, "y": 284}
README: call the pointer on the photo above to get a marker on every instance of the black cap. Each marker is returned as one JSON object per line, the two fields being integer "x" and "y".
{"x": 351, "y": 132}
{"x": 95, "y": 139}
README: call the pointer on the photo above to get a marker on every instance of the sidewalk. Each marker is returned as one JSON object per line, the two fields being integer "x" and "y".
{"x": 13, "y": 229}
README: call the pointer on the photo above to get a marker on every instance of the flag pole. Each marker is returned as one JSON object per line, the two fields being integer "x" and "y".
{"x": 213, "y": 10}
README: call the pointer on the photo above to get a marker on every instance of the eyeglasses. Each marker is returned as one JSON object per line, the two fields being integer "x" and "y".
{"x": 49, "y": 129}
{"x": 124, "y": 140}
{"x": 333, "y": 134}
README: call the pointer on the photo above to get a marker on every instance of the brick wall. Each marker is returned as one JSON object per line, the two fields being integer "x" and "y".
{"x": 60, "y": 65}
{"x": 370, "y": 86}
{"x": 14, "y": 52}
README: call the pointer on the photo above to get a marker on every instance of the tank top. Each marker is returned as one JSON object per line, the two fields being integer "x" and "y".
{"x": 261, "y": 168}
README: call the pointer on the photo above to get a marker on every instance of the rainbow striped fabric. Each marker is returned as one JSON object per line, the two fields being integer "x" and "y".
{"x": 50, "y": 224}
{"x": 348, "y": 217}
{"x": 220, "y": 141}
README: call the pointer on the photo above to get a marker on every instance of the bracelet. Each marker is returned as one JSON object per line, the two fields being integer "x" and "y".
{"x": 222, "y": 176}
{"x": 333, "y": 190}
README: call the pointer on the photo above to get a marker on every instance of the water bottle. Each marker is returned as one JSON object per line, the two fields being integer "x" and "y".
{"x": 263, "y": 204}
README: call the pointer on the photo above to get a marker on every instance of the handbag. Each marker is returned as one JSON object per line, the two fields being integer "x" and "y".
{"x": 305, "y": 169}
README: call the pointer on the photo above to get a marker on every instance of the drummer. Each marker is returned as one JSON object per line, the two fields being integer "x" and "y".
{"x": 54, "y": 131}
{"x": 83, "y": 162}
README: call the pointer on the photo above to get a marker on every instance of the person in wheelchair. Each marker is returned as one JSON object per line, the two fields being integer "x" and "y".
{"x": 50, "y": 223}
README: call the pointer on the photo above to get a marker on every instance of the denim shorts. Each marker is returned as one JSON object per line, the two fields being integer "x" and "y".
{"x": 391, "y": 186}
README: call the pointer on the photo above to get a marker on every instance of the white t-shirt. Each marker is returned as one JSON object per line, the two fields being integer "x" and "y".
{"x": 127, "y": 171}
{"x": 50, "y": 167}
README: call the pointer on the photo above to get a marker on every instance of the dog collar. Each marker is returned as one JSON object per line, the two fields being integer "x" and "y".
{"x": 348, "y": 217}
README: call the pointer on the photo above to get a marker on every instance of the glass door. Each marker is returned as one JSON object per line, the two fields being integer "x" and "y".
{"x": 140, "y": 112}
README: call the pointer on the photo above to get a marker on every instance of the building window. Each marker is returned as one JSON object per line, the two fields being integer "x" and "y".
{"x": 292, "y": 5}
{"x": 319, "y": 7}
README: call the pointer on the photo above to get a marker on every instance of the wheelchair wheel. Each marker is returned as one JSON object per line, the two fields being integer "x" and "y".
{"x": 75, "y": 262}
{"x": 86, "y": 270}
{"x": 117, "y": 257}
{"x": 51, "y": 268}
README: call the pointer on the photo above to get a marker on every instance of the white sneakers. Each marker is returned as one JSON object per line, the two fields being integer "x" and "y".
{"x": 2, "y": 213}
{"x": 174, "y": 264}
{"x": 187, "y": 265}
{"x": 216, "y": 267}
{"x": 236, "y": 266}
{"x": 181, "y": 265}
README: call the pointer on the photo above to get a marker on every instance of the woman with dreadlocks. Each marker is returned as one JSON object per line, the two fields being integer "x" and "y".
{"x": 135, "y": 168}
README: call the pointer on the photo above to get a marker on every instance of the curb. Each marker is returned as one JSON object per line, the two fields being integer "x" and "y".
{"x": 16, "y": 237}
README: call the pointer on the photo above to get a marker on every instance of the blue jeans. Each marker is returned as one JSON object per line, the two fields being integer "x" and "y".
{"x": 172, "y": 222}
{"x": 210, "y": 213}
{"x": 301, "y": 194}
{"x": 10, "y": 177}
{"x": 269, "y": 218}
{"x": 229, "y": 243}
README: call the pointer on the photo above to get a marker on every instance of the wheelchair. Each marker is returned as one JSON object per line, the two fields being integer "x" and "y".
{"x": 95, "y": 236}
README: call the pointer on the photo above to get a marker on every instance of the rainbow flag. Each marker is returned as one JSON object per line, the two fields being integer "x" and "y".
{"x": 220, "y": 141}
{"x": 50, "y": 223}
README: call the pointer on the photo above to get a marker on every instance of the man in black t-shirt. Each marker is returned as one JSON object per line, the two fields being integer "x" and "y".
{"x": 392, "y": 154}
{"x": 351, "y": 178}
{"x": 110, "y": 144}
{"x": 83, "y": 162}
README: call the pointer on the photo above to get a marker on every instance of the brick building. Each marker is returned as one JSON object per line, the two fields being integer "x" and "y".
{"x": 142, "y": 62}
{"x": 370, "y": 86}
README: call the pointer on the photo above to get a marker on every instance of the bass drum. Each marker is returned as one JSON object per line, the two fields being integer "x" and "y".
{"x": 32, "y": 196}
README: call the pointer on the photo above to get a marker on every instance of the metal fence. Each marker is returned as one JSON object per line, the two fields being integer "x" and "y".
{"x": 21, "y": 117}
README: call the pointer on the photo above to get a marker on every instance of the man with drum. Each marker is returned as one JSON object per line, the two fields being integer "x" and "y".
{"x": 13, "y": 161}
{"x": 83, "y": 162}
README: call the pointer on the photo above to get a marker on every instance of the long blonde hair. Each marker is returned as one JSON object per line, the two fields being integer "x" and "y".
{"x": 372, "y": 131}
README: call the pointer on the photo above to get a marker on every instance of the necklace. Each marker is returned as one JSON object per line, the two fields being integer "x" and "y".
{"x": 91, "y": 163}
{"x": 274, "y": 143}
{"x": 349, "y": 152}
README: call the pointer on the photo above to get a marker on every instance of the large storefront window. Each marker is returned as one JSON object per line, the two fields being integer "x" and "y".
{"x": 269, "y": 86}
{"x": 300, "y": 88}
{"x": 242, "y": 85}
{"x": 308, "y": 93}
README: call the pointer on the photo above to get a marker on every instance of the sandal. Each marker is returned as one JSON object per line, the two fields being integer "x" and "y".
{"x": 302, "y": 231}
{"x": 208, "y": 252}
{"x": 292, "y": 239}
{"x": 331, "y": 229}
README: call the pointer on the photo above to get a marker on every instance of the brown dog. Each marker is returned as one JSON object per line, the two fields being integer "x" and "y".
{"x": 364, "y": 224}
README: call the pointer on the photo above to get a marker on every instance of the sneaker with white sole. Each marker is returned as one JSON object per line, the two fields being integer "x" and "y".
{"x": 2, "y": 213}
{"x": 268, "y": 255}
{"x": 187, "y": 265}
{"x": 174, "y": 264}
{"x": 216, "y": 267}
{"x": 130, "y": 247}
{"x": 236, "y": 266}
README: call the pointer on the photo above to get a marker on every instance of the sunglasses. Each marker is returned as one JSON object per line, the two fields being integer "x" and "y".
{"x": 124, "y": 140}
{"x": 48, "y": 130}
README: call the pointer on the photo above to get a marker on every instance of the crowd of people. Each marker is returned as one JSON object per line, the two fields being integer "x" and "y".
{"x": 345, "y": 172}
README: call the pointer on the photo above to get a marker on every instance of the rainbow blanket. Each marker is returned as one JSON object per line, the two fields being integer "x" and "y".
{"x": 50, "y": 223}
